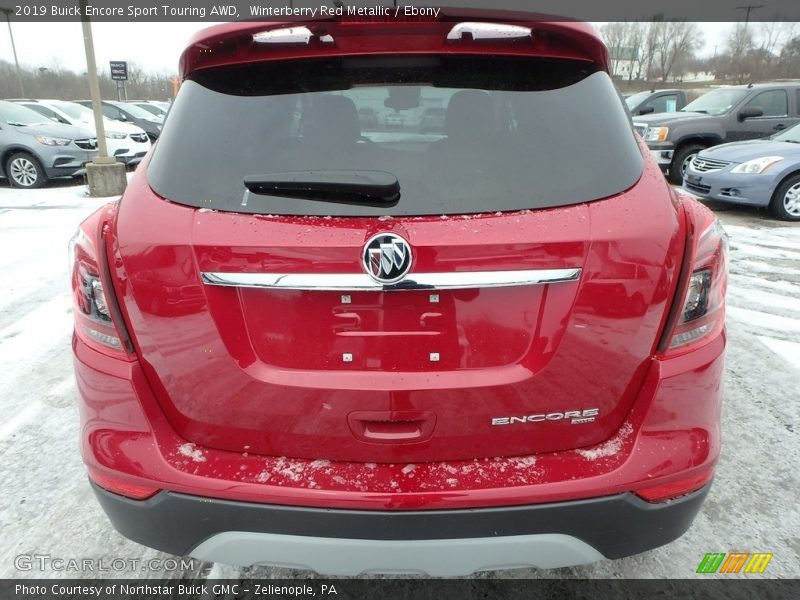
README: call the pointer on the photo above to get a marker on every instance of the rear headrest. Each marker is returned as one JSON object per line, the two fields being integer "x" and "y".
{"x": 332, "y": 119}
{"x": 469, "y": 113}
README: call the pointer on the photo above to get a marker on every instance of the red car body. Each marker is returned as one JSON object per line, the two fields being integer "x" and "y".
{"x": 586, "y": 407}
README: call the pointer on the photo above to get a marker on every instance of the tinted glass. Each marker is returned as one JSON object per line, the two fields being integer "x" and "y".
{"x": 45, "y": 112}
{"x": 74, "y": 110}
{"x": 152, "y": 109}
{"x": 633, "y": 101}
{"x": 16, "y": 114}
{"x": 135, "y": 111}
{"x": 665, "y": 103}
{"x": 790, "y": 135}
{"x": 461, "y": 135}
{"x": 773, "y": 103}
{"x": 717, "y": 102}
{"x": 111, "y": 112}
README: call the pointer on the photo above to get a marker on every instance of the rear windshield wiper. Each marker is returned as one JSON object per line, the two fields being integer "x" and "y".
{"x": 364, "y": 188}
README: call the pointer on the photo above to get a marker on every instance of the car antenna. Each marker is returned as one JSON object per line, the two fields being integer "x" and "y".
{"x": 749, "y": 85}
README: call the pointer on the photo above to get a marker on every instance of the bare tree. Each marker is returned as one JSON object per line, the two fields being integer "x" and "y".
{"x": 636, "y": 37}
{"x": 789, "y": 65}
{"x": 650, "y": 46}
{"x": 676, "y": 43}
{"x": 615, "y": 37}
{"x": 773, "y": 35}
{"x": 739, "y": 45}
{"x": 56, "y": 82}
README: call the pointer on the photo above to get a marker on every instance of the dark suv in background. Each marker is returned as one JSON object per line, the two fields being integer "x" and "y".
{"x": 727, "y": 114}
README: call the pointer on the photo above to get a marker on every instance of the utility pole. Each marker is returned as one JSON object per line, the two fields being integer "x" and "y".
{"x": 748, "y": 9}
{"x": 7, "y": 12}
{"x": 106, "y": 176}
{"x": 94, "y": 85}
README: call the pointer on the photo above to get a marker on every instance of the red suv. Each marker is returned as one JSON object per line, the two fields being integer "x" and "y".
{"x": 308, "y": 341}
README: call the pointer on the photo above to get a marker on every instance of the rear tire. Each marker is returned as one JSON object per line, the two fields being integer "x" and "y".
{"x": 25, "y": 171}
{"x": 680, "y": 160}
{"x": 785, "y": 203}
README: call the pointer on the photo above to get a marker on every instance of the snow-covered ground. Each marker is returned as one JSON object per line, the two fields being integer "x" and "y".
{"x": 48, "y": 508}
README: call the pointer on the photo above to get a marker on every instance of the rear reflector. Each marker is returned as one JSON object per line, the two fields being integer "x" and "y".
{"x": 122, "y": 487}
{"x": 675, "y": 489}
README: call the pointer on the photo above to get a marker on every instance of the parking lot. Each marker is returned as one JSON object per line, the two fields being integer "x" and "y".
{"x": 49, "y": 509}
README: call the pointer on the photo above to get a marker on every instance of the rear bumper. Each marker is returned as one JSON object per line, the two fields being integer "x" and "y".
{"x": 672, "y": 433}
{"x": 440, "y": 542}
{"x": 551, "y": 510}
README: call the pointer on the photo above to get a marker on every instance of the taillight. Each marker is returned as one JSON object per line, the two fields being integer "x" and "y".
{"x": 98, "y": 322}
{"x": 123, "y": 487}
{"x": 662, "y": 492}
{"x": 699, "y": 311}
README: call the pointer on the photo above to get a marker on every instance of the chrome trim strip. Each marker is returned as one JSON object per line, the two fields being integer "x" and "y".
{"x": 361, "y": 282}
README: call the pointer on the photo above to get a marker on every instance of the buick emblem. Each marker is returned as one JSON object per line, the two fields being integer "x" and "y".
{"x": 387, "y": 258}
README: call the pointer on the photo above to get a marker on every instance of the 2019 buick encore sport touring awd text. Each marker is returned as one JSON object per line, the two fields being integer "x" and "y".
{"x": 310, "y": 340}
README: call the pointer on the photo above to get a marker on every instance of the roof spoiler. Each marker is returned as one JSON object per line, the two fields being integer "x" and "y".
{"x": 454, "y": 31}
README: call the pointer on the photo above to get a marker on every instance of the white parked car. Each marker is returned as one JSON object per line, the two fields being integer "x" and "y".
{"x": 128, "y": 143}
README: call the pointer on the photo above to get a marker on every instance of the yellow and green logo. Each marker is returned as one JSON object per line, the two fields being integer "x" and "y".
{"x": 735, "y": 562}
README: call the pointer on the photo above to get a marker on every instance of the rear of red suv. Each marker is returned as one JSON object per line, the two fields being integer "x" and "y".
{"x": 308, "y": 339}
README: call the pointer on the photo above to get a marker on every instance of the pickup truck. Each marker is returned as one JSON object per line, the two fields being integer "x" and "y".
{"x": 727, "y": 114}
{"x": 656, "y": 101}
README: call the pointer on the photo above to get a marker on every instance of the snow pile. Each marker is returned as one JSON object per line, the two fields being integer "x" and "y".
{"x": 190, "y": 451}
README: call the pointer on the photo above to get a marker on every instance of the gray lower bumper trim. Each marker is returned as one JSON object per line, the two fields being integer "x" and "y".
{"x": 611, "y": 526}
{"x": 439, "y": 558}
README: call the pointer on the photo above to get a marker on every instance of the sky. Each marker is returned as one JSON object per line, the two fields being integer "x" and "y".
{"x": 155, "y": 47}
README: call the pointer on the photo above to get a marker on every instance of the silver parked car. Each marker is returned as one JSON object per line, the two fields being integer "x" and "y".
{"x": 34, "y": 149}
{"x": 124, "y": 141}
{"x": 763, "y": 173}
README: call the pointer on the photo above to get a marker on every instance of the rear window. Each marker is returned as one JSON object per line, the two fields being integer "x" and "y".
{"x": 461, "y": 134}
